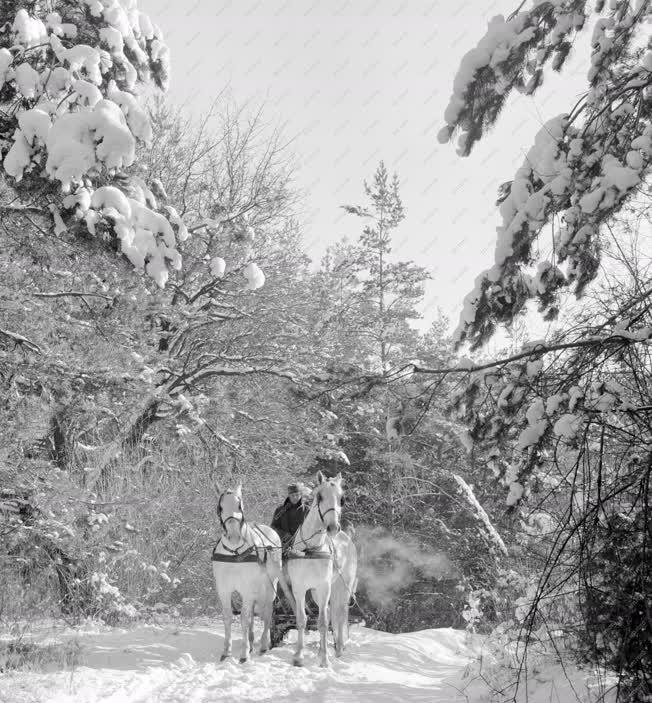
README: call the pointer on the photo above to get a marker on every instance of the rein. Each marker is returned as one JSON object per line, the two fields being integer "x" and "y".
{"x": 322, "y": 515}
{"x": 309, "y": 555}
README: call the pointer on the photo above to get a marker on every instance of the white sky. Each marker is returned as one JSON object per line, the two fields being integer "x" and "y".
{"x": 357, "y": 81}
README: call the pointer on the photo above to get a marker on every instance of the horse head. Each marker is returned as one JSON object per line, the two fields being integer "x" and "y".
{"x": 328, "y": 498}
{"x": 231, "y": 512}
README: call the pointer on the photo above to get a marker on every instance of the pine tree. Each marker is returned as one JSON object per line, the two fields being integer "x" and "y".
{"x": 584, "y": 165}
{"x": 389, "y": 291}
{"x": 563, "y": 423}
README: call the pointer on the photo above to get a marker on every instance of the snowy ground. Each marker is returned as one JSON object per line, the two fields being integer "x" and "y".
{"x": 178, "y": 663}
{"x": 168, "y": 663}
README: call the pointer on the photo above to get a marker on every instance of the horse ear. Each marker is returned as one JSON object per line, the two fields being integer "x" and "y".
{"x": 339, "y": 476}
{"x": 238, "y": 490}
{"x": 320, "y": 477}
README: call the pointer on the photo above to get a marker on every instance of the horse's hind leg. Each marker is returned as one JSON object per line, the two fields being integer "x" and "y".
{"x": 265, "y": 642}
{"x": 300, "y": 612}
{"x": 342, "y": 629}
{"x": 337, "y": 625}
{"x": 268, "y": 605}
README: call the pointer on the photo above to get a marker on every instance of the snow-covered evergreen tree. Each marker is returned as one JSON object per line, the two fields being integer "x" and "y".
{"x": 388, "y": 291}
{"x": 72, "y": 73}
{"x": 564, "y": 423}
{"x": 584, "y": 164}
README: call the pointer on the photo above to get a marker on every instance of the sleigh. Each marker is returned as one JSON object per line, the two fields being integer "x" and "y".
{"x": 284, "y": 620}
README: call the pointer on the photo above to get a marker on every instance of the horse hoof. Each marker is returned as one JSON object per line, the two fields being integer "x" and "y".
{"x": 297, "y": 661}
{"x": 263, "y": 651}
{"x": 244, "y": 660}
{"x": 224, "y": 656}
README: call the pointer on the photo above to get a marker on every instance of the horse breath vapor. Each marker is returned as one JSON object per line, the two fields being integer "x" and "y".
{"x": 388, "y": 563}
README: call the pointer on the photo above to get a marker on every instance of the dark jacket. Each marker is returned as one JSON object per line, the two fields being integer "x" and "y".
{"x": 288, "y": 518}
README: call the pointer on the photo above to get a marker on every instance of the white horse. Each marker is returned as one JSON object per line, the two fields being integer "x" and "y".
{"x": 323, "y": 559}
{"x": 247, "y": 559}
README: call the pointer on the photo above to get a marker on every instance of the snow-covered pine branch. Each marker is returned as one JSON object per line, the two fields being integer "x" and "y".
{"x": 70, "y": 76}
{"x": 524, "y": 411}
{"x": 584, "y": 164}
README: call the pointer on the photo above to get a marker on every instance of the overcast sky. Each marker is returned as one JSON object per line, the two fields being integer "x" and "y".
{"x": 358, "y": 81}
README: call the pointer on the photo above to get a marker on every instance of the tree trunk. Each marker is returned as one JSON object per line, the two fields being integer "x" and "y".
{"x": 128, "y": 441}
{"x": 72, "y": 579}
{"x": 60, "y": 452}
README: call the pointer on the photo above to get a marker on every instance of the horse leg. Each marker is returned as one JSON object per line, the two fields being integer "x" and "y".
{"x": 251, "y": 628}
{"x": 227, "y": 616}
{"x": 337, "y": 623}
{"x": 323, "y": 595}
{"x": 342, "y": 620}
{"x": 246, "y": 622}
{"x": 268, "y": 604}
{"x": 339, "y": 617}
{"x": 300, "y": 612}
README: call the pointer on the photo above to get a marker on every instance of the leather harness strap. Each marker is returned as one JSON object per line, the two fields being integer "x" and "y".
{"x": 308, "y": 555}
{"x": 249, "y": 555}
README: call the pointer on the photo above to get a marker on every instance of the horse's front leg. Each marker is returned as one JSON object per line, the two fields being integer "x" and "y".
{"x": 247, "y": 623}
{"x": 300, "y": 612}
{"x": 251, "y": 628}
{"x": 323, "y": 594}
{"x": 339, "y": 613}
{"x": 227, "y": 616}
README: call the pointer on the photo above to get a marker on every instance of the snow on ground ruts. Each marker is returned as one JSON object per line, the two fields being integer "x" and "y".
{"x": 170, "y": 664}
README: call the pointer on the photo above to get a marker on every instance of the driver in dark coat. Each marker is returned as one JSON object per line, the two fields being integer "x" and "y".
{"x": 290, "y": 516}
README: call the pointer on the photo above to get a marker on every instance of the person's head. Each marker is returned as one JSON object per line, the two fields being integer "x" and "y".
{"x": 296, "y": 492}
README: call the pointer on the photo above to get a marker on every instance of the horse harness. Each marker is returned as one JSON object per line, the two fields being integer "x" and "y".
{"x": 251, "y": 553}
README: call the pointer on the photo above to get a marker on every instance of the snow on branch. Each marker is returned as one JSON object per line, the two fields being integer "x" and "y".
{"x": 622, "y": 337}
{"x": 76, "y": 119}
{"x": 584, "y": 164}
{"x": 73, "y": 294}
{"x": 203, "y": 373}
{"x": 510, "y": 56}
{"x": 7, "y": 337}
{"x": 479, "y": 512}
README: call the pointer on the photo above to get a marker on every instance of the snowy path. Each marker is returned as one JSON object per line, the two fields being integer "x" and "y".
{"x": 168, "y": 664}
